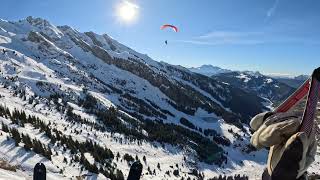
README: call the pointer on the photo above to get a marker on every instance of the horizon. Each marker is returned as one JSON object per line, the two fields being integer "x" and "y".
{"x": 280, "y": 41}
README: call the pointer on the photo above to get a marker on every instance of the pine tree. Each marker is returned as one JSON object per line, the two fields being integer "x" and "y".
{"x": 48, "y": 153}
{"x": 118, "y": 156}
{"x": 144, "y": 159}
{"x": 65, "y": 160}
{"x": 119, "y": 175}
{"x": 4, "y": 127}
{"x": 176, "y": 172}
{"x": 27, "y": 142}
{"x": 128, "y": 158}
{"x": 16, "y": 136}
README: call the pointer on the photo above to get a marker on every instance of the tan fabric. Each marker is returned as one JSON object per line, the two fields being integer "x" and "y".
{"x": 257, "y": 121}
{"x": 278, "y": 132}
{"x": 276, "y": 129}
{"x": 309, "y": 151}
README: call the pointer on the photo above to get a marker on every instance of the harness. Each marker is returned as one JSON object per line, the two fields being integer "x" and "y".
{"x": 310, "y": 88}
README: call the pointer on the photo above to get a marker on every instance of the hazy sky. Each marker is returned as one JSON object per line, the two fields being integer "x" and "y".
{"x": 272, "y": 36}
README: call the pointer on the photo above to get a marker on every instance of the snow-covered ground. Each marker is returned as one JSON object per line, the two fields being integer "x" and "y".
{"x": 44, "y": 68}
{"x": 155, "y": 153}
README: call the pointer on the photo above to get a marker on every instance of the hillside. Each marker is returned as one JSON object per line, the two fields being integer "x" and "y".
{"x": 88, "y": 106}
{"x": 254, "y": 82}
{"x": 294, "y": 82}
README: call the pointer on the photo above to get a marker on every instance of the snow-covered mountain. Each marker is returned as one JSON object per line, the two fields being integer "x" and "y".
{"x": 255, "y": 82}
{"x": 294, "y": 82}
{"x": 273, "y": 88}
{"x": 208, "y": 70}
{"x": 87, "y": 106}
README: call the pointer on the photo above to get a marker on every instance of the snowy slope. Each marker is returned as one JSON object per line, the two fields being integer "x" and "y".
{"x": 87, "y": 86}
{"x": 155, "y": 153}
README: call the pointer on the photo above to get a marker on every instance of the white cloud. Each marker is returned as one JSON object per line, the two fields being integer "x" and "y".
{"x": 221, "y": 42}
{"x": 227, "y": 34}
{"x": 131, "y": 4}
{"x": 226, "y": 38}
{"x": 272, "y": 10}
{"x": 268, "y": 34}
{"x": 277, "y": 74}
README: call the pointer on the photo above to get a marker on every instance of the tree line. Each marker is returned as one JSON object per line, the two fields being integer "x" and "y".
{"x": 102, "y": 155}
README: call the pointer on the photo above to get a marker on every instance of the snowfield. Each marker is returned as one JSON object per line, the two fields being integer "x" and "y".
{"x": 244, "y": 77}
{"x": 155, "y": 153}
{"x": 39, "y": 60}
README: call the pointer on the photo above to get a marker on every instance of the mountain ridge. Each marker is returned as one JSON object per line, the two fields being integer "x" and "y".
{"x": 208, "y": 70}
{"x": 89, "y": 88}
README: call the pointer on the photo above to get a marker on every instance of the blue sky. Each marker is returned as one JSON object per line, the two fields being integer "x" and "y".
{"x": 272, "y": 36}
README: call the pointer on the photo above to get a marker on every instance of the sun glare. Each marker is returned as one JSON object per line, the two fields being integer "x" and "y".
{"x": 127, "y": 11}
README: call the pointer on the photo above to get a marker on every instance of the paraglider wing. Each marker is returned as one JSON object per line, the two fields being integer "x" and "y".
{"x": 169, "y": 26}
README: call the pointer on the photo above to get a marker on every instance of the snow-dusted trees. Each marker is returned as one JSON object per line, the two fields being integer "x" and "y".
{"x": 128, "y": 158}
{"x": 15, "y": 135}
{"x": 29, "y": 144}
{"x": 235, "y": 177}
{"x": 102, "y": 155}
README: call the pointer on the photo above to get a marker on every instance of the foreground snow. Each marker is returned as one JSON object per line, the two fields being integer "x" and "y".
{"x": 28, "y": 66}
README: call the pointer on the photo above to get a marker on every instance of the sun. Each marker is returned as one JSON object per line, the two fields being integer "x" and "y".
{"x": 127, "y": 11}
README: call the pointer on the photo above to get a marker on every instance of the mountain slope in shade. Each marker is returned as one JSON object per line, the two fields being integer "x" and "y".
{"x": 255, "y": 82}
{"x": 88, "y": 106}
{"x": 294, "y": 82}
{"x": 95, "y": 53}
{"x": 258, "y": 84}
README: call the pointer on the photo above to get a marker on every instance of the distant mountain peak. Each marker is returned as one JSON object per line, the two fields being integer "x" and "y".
{"x": 293, "y": 81}
{"x": 33, "y": 20}
{"x": 209, "y": 70}
{"x": 257, "y": 83}
{"x": 253, "y": 73}
{"x": 302, "y": 77}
